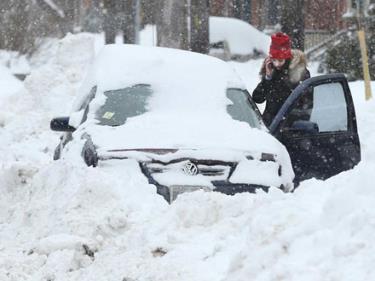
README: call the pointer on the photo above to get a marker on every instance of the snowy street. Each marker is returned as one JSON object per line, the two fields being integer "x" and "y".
{"x": 65, "y": 221}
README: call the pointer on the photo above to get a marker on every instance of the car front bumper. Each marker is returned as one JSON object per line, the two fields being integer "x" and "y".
{"x": 170, "y": 193}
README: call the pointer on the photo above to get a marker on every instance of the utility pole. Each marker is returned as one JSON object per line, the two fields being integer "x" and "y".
{"x": 110, "y": 26}
{"x": 363, "y": 47}
{"x": 128, "y": 20}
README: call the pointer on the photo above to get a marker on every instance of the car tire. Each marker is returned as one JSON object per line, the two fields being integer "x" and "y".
{"x": 89, "y": 154}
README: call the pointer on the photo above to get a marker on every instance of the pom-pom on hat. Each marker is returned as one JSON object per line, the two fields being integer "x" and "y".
{"x": 280, "y": 46}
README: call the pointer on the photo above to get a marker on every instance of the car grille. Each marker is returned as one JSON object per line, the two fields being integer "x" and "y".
{"x": 216, "y": 170}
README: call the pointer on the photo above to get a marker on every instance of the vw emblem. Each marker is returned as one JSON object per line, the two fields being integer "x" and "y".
{"x": 190, "y": 169}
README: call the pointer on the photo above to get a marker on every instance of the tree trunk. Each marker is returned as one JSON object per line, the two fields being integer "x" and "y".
{"x": 149, "y": 11}
{"x": 199, "y": 26}
{"x": 110, "y": 27}
{"x": 242, "y": 10}
{"x": 172, "y": 24}
{"x": 69, "y": 9}
{"x": 128, "y": 17}
{"x": 293, "y": 23}
{"x": 16, "y": 26}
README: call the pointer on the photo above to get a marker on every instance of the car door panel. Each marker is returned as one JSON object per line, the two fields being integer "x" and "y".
{"x": 324, "y": 101}
{"x": 321, "y": 156}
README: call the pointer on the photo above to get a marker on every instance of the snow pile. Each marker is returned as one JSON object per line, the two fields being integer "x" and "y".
{"x": 17, "y": 63}
{"x": 148, "y": 35}
{"x": 9, "y": 84}
{"x": 64, "y": 221}
{"x": 322, "y": 232}
{"x": 63, "y": 72}
{"x": 243, "y": 39}
{"x": 26, "y": 111}
{"x": 93, "y": 224}
{"x": 365, "y": 115}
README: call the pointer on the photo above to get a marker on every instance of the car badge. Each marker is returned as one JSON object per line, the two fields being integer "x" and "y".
{"x": 190, "y": 169}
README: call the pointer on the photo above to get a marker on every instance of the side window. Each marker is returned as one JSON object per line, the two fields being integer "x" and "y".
{"x": 329, "y": 110}
{"x": 240, "y": 107}
{"x": 324, "y": 105}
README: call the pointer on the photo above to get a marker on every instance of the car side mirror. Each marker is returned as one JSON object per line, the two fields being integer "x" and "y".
{"x": 304, "y": 127}
{"x": 61, "y": 124}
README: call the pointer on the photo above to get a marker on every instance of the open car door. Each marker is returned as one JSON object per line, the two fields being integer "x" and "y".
{"x": 317, "y": 124}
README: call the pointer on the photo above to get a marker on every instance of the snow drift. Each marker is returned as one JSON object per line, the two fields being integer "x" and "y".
{"x": 64, "y": 221}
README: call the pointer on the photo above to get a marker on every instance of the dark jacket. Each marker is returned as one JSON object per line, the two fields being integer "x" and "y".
{"x": 276, "y": 90}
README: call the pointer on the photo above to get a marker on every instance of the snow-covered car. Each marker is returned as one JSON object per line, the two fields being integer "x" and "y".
{"x": 189, "y": 122}
{"x": 235, "y": 39}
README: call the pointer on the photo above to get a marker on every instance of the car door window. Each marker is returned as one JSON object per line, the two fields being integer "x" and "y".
{"x": 329, "y": 110}
{"x": 324, "y": 105}
{"x": 241, "y": 109}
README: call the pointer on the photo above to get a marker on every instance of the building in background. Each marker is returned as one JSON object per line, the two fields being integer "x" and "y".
{"x": 323, "y": 18}
{"x": 23, "y": 23}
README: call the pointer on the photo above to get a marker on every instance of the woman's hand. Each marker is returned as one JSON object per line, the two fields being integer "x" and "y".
{"x": 269, "y": 67}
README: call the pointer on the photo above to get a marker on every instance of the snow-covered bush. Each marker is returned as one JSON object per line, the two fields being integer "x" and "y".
{"x": 345, "y": 55}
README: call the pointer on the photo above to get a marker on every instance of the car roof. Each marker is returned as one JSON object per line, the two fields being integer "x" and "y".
{"x": 119, "y": 65}
{"x": 178, "y": 78}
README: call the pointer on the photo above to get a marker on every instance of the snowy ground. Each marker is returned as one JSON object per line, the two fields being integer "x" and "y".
{"x": 64, "y": 221}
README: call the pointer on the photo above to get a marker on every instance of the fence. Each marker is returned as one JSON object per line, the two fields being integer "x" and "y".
{"x": 315, "y": 37}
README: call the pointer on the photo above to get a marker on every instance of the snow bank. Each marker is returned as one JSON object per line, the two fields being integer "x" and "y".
{"x": 64, "y": 221}
{"x": 17, "y": 63}
{"x": 9, "y": 84}
{"x": 47, "y": 91}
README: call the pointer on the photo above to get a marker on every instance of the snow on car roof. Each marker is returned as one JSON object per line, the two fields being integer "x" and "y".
{"x": 179, "y": 79}
{"x": 119, "y": 65}
{"x": 170, "y": 72}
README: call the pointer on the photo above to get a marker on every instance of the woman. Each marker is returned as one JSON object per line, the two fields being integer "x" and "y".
{"x": 281, "y": 72}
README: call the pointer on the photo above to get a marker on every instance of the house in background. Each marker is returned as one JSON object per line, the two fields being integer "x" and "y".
{"x": 323, "y": 18}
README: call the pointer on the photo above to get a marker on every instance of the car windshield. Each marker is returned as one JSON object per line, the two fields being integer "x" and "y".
{"x": 132, "y": 101}
{"x": 241, "y": 108}
{"x": 122, "y": 104}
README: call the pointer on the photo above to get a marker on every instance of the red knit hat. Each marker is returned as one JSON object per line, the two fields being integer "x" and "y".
{"x": 280, "y": 46}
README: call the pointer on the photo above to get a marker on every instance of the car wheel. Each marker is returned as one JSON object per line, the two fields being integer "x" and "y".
{"x": 89, "y": 154}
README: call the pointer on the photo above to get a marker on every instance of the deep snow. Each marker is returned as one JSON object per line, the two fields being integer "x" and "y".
{"x": 65, "y": 221}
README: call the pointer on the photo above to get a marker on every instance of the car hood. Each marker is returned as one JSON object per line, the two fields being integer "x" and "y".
{"x": 165, "y": 139}
{"x": 183, "y": 133}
